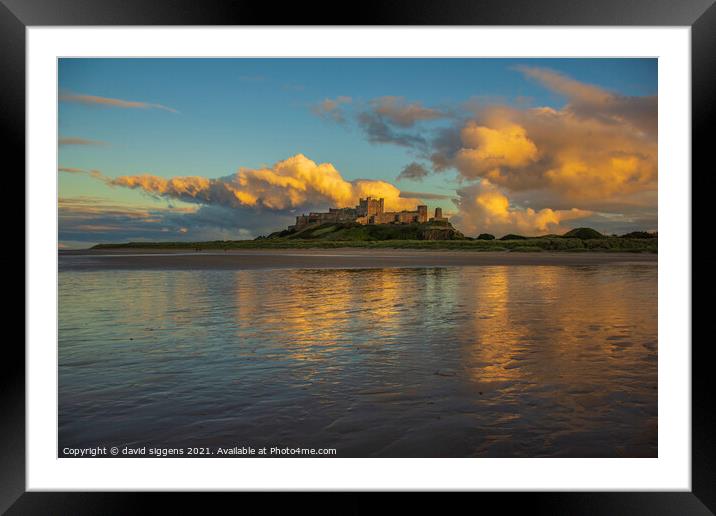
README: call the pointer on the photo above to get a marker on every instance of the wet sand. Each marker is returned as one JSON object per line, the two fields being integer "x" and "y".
{"x": 149, "y": 259}
{"x": 493, "y": 361}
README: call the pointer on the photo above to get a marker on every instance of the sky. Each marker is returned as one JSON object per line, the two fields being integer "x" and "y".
{"x": 223, "y": 149}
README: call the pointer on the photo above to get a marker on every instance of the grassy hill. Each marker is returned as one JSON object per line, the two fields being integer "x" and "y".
{"x": 583, "y": 233}
{"x": 371, "y": 232}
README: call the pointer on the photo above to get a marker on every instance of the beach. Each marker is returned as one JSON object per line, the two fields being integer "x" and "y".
{"x": 160, "y": 259}
{"x": 380, "y": 354}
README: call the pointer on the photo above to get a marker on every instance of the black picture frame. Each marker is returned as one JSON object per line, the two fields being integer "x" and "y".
{"x": 700, "y": 15}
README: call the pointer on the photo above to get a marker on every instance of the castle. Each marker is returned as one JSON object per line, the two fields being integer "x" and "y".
{"x": 369, "y": 211}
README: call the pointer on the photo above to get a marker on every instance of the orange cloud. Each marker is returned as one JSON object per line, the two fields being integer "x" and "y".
{"x": 296, "y": 182}
{"x": 575, "y": 158}
{"x": 599, "y": 153}
{"x": 484, "y": 208}
{"x": 487, "y": 149}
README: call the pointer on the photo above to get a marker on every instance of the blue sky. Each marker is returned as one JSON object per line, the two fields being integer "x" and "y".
{"x": 229, "y": 113}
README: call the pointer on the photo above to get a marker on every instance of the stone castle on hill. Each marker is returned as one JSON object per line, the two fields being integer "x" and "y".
{"x": 369, "y": 211}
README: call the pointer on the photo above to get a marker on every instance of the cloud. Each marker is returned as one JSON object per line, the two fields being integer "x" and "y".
{"x": 413, "y": 171}
{"x": 94, "y": 219}
{"x": 107, "y": 101}
{"x": 332, "y": 109}
{"x": 542, "y": 148}
{"x": 72, "y": 140}
{"x": 484, "y": 208}
{"x": 84, "y": 221}
{"x": 378, "y": 131}
{"x": 589, "y": 101}
{"x": 383, "y": 120}
{"x": 443, "y": 147}
{"x": 95, "y": 174}
{"x": 553, "y": 162}
{"x": 487, "y": 149}
{"x": 291, "y": 184}
{"x": 597, "y": 153}
{"x": 401, "y": 113}
{"x": 386, "y": 119}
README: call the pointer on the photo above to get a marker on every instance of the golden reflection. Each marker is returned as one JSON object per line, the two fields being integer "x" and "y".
{"x": 315, "y": 307}
{"x": 496, "y": 335}
{"x": 524, "y": 312}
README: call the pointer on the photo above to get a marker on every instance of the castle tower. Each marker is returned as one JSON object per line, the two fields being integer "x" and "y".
{"x": 371, "y": 206}
{"x": 422, "y": 213}
{"x": 438, "y": 213}
{"x": 362, "y": 207}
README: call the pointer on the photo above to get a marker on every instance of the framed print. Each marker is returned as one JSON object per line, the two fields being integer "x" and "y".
{"x": 417, "y": 253}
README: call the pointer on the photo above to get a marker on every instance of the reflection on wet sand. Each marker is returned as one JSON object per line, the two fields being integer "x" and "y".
{"x": 463, "y": 361}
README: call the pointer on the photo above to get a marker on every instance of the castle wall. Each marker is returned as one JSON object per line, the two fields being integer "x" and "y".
{"x": 382, "y": 218}
{"x": 406, "y": 217}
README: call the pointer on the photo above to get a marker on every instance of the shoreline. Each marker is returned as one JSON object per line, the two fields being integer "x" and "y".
{"x": 341, "y": 258}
